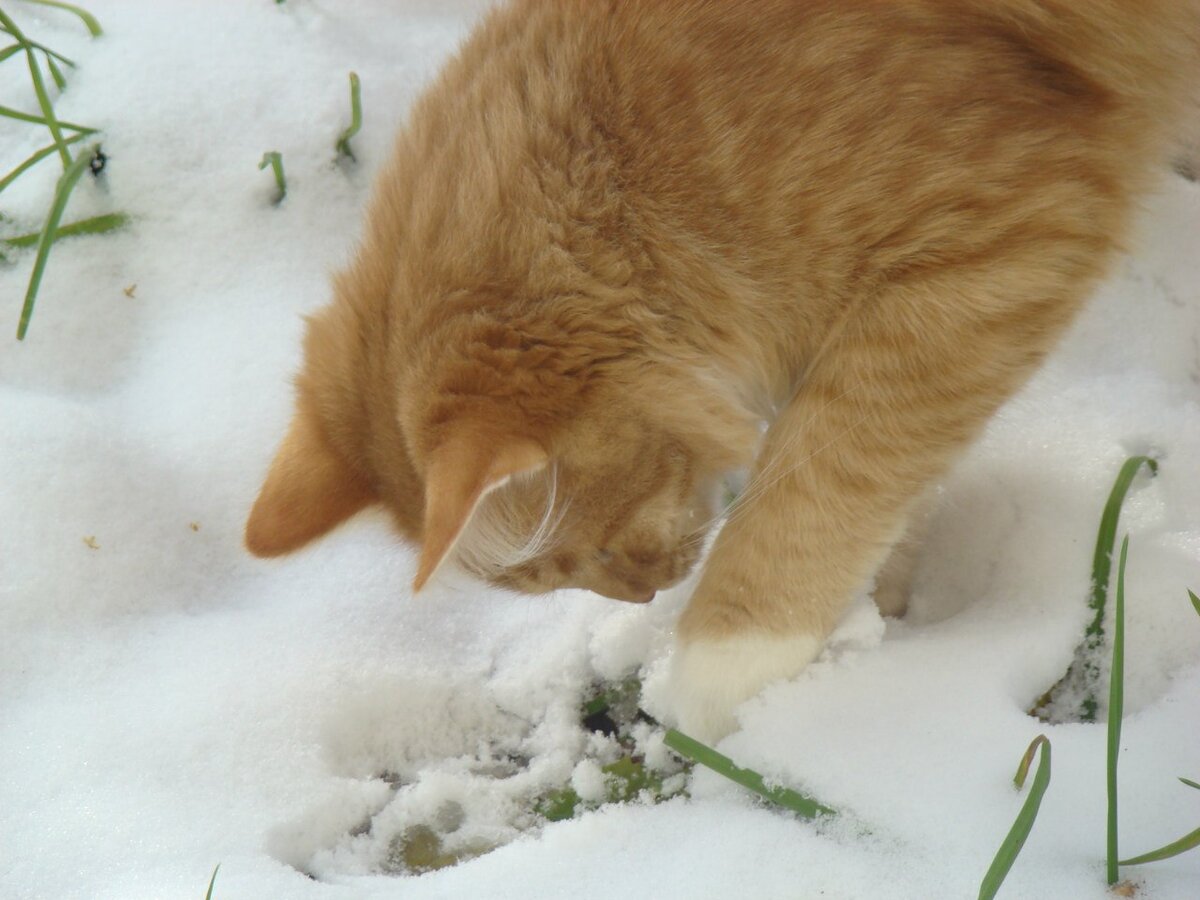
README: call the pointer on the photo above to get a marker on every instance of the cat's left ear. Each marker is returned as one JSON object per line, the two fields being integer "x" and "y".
{"x": 308, "y": 491}
{"x": 459, "y": 474}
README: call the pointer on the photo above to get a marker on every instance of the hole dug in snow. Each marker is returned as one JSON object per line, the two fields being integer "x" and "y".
{"x": 428, "y": 775}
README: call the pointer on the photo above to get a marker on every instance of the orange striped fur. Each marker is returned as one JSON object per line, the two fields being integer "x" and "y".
{"x": 616, "y": 237}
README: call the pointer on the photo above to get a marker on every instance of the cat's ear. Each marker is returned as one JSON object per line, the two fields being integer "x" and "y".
{"x": 459, "y": 474}
{"x": 308, "y": 491}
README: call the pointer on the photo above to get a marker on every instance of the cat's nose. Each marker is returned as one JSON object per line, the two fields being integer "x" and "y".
{"x": 627, "y": 576}
{"x": 628, "y": 593}
{"x": 632, "y": 595}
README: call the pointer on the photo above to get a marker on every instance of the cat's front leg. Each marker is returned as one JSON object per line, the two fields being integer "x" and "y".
{"x": 896, "y": 395}
{"x": 780, "y": 574}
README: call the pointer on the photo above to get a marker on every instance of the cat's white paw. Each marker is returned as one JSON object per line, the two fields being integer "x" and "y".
{"x": 710, "y": 678}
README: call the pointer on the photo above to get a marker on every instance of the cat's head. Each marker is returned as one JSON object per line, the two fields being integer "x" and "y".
{"x": 530, "y": 454}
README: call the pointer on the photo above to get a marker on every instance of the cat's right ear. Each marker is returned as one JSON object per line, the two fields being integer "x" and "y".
{"x": 308, "y": 491}
{"x": 459, "y": 474}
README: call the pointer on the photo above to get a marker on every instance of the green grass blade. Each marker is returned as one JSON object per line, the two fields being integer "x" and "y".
{"x": 66, "y": 184}
{"x": 1189, "y": 841}
{"x": 343, "y": 143}
{"x": 1106, "y": 539}
{"x": 65, "y": 60}
{"x": 8, "y": 26}
{"x": 10, "y": 50}
{"x": 274, "y": 159}
{"x": 1023, "y": 824}
{"x": 39, "y": 88}
{"x": 60, "y": 80}
{"x": 34, "y": 160}
{"x": 1027, "y": 760}
{"x": 1189, "y": 783}
{"x": 747, "y": 778}
{"x": 1083, "y": 676}
{"x": 94, "y": 225}
{"x": 1195, "y": 602}
{"x": 1116, "y": 705}
{"x": 86, "y": 17}
{"x": 9, "y": 112}
{"x": 211, "y": 882}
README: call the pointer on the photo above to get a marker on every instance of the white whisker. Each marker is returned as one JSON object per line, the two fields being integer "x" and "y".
{"x": 497, "y": 538}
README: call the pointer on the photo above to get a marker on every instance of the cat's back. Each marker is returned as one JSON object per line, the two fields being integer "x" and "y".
{"x": 734, "y": 91}
{"x": 770, "y": 130}
{"x": 728, "y": 95}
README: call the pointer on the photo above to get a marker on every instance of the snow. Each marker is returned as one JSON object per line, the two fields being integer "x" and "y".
{"x": 168, "y": 702}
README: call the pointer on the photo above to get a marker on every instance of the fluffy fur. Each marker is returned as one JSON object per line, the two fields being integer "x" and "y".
{"x": 615, "y": 238}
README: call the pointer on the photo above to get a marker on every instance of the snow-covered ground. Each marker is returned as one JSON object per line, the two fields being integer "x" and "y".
{"x": 168, "y": 702}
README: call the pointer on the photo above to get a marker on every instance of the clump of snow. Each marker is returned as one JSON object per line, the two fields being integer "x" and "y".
{"x": 588, "y": 781}
{"x": 169, "y": 703}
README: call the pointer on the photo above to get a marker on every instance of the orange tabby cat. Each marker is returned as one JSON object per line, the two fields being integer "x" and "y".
{"x": 617, "y": 237}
